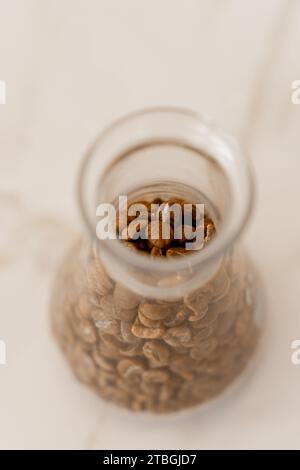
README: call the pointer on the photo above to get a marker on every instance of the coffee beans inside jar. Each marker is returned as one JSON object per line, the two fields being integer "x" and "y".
{"x": 151, "y": 354}
{"x": 163, "y": 228}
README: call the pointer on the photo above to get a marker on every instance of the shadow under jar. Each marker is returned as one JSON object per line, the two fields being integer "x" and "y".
{"x": 150, "y": 333}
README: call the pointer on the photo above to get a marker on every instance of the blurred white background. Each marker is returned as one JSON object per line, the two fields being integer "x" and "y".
{"x": 71, "y": 67}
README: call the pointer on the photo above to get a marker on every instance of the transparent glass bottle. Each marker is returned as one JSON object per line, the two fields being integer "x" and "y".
{"x": 154, "y": 334}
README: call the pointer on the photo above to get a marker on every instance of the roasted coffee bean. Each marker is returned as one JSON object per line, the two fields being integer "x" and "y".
{"x": 154, "y": 311}
{"x": 197, "y": 302}
{"x": 183, "y": 366}
{"x": 151, "y": 389}
{"x": 155, "y": 251}
{"x": 131, "y": 349}
{"x": 203, "y": 333}
{"x": 105, "y": 381}
{"x": 198, "y": 307}
{"x": 112, "y": 393}
{"x": 145, "y": 321}
{"x": 157, "y": 353}
{"x": 94, "y": 299}
{"x": 110, "y": 341}
{"x": 144, "y": 332}
{"x": 131, "y": 369}
{"x": 177, "y": 317}
{"x": 207, "y": 320}
{"x": 178, "y": 335}
{"x": 102, "y": 362}
{"x": 124, "y": 298}
{"x": 127, "y": 387}
{"x": 204, "y": 348}
{"x": 156, "y": 376}
{"x": 210, "y": 231}
{"x": 107, "y": 352}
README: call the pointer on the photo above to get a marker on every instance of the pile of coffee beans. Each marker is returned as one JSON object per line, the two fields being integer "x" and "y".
{"x": 154, "y": 355}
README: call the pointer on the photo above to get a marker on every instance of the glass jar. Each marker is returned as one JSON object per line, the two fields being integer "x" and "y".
{"x": 149, "y": 333}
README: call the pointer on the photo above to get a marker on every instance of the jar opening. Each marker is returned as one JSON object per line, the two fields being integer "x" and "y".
{"x": 167, "y": 146}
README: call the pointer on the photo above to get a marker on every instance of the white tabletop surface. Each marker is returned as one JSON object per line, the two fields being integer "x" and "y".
{"x": 71, "y": 67}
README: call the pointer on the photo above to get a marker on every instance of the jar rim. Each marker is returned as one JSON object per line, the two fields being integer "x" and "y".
{"x": 229, "y": 233}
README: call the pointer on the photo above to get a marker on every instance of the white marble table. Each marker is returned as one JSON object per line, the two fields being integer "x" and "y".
{"x": 71, "y": 66}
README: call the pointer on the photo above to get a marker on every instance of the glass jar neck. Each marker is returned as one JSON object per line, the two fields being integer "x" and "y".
{"x": 166, "y": 150}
